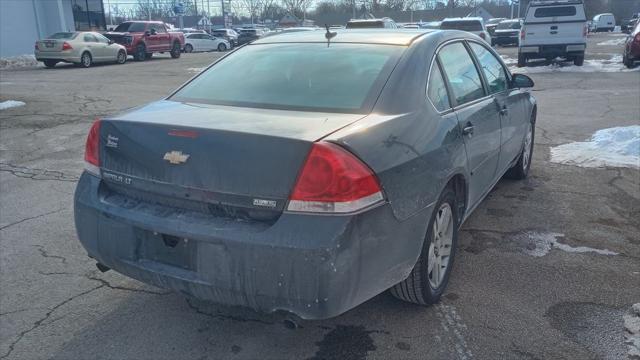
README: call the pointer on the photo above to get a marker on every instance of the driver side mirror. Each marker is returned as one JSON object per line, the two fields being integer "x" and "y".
{"x": 147, "y": 33}
{"x": 153, "y": 32}
{"x": 521, "y": 81}
{"x": 110, "y": 42}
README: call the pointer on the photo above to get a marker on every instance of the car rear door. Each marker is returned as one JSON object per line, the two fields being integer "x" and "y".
{"x": 509, "y": 102}
{"x": 477, "y": 117}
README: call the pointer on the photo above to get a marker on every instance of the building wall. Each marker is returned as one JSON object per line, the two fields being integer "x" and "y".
{"x": 22, "y": 22}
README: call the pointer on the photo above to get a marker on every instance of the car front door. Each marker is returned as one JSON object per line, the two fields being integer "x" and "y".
{"x": 477, "y": 117}
{"x": 509, "y": 101}
{"x": 94, "y": 47}
{"x": 208, "y": 42}
{"x": 106, "y": 51}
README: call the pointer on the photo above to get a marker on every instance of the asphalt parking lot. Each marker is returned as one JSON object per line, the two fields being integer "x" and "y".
{"x": 545, "y": 269}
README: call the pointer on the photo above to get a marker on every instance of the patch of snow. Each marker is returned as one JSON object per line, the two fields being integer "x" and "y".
{"x": 614, "y": 64}
{"x": 15, "y": 62}
{"x": 632, "y": 331}
{"x": 10, "y": 104}
{"x": 613, "y": 42}
{"x": 541, "y": 243}
{"x": 195, "y": 70}
{"x": 618, "y": 147}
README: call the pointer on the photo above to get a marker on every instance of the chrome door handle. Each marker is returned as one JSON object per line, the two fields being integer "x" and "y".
{"x": 468, "y": 129}
{"x": 504, "y": 111}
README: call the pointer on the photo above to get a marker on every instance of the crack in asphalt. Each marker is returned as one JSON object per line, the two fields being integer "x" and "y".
{"x": 39, "y": 322}
{"x": 220, "y": 316}
{"x": 117, "y": 287}
{"x": 45, "y": 254}
{"x": 30, "y": 218}
{"x": 37, "y": 174}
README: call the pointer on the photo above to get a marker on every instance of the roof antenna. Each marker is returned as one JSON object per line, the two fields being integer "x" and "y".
{"x": 329, "y": 35}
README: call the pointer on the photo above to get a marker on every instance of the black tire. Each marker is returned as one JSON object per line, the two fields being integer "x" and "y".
{"x": 578, "y": 60}
{"x": 522, "y": 60}
{"x": 148, "y": 55}
{"x": 85, "y": 60}
{"x": 188, "y": 48}
{"x": 520, "y": 170}
{"x": 222, "y": 47}
{"x": 122, "y": 57}
{"x": 50, "y": 63}
{"x": 417, "y": 288}
{"x": 627, "y": 61}
{"x": 141, "y": 53}
{"x": 176, "y": 51}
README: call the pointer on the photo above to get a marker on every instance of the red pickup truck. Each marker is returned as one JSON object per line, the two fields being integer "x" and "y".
{"x": 143, "y": 38}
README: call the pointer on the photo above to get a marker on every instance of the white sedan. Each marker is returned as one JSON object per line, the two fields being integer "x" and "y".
{"x": 204, "y": 42}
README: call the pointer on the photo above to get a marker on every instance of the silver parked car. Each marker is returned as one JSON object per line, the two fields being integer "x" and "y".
{"x": 80, "y": 48}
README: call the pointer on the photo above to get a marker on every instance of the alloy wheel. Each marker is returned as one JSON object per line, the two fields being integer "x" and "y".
{"x": 526, "y": 155}
{"x": 440, "y": 247}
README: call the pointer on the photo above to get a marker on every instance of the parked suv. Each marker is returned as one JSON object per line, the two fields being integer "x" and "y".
{"x": 143, "y": 38}
{"x": 474, "y": 25}
{"x": 384, "y": 23}
{"x": 554, "y": 29}
{"x": 228, "y": 34}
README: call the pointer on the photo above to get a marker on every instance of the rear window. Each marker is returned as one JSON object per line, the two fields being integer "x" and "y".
{"x": 555, "y": 11}
{"x": 130, "y": 27}
{"x": 509, "y": 25}
{"x": 63, "y": 35}
{"x": 461, "y": 25}
{"x": 310, "y": 76}
{"x": 365, "y": 24}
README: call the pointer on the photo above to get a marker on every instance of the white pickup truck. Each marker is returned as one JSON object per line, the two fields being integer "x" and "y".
{"x": 551, "y": 29}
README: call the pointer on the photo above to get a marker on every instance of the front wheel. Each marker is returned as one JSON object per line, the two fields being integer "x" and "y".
{"x": 141, "y": 53}
{"x": 122, "y": 57}
{"x": 626, "y": 60}
{"x": 520, "y": 170}
{"x": 578, "y": 60}
{"x": 222, "y": 47}
{"x": 85, "y": 59}
{"x": 188, "y": 48}
{"x": 428, "y": 279}
{"x": 175, "y": 50}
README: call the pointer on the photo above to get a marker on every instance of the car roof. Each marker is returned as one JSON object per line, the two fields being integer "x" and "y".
{"x": 463, "y": 19}
{"x": 362, "y": 36}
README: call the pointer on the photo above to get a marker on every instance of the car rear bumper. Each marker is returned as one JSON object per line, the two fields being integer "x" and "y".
{"x": 57, "y": 55}
{"x": 505, "y": 39}
{"x": 555, "y": 50}
{"x": 314, "y": 266}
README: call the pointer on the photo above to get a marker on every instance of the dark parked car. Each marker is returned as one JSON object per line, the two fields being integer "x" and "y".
{"x": 383, "y": 23}
{"x": 632, "y": 48}
{"x": 248, "y": 35}
{"x": 507, "y": 33}
{"x": 492, "y": 24}
{"x": 306, "y": 176}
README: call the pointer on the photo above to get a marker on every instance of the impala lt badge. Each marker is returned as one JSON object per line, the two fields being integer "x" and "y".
{"x": 176, "y": 157}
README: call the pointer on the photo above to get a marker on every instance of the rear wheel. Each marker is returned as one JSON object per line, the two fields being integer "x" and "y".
{"x": 626, "y": 60}
{"x": 578, "y": 60}
{"x": 141, "y": 53}
{"x": 85, "y": 60}
{"x": 148, "y": 56}
{"x": 50, "y": 63}
{"x": 175, "y": 50}
{"x": 522, "y": 60}
{"x": 520, "y": 170}
{"x": 222, "y": 47}
{"x": 428, "y": 279}
{"x": 122, "y": 57}
{"x": 188, "y": 48}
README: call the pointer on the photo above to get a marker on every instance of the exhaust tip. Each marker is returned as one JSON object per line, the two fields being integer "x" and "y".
{"x": 102, "y": 268}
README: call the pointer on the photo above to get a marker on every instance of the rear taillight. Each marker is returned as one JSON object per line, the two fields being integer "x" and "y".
{"x": 522, "y": 34}
{"x": 333, "y": 180}
{"x": 637, "y": 38}
{"x": 66, "y": 46}
{"x": 36, "y": 46}
{"x": 482, "y": 35}
{"x": 92, "y": 149}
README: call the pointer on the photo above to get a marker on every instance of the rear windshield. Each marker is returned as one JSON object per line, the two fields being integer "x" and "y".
{"x": 365, "y": 24}
{"x": 555, "y": 11}
{"x": 461, "y": 25}
{"x": 509, "y": 25}
{"x": 310, "y": 76}
{"x": 130, "y": 27}
{"x": 63, "y": 35}
{"x": 248, "y": 32}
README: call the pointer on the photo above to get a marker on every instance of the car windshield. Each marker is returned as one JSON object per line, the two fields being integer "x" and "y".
{"x": 130, "y": 27}
{"x": 365, "y": 24}
{"x": 306, "y": 77}
{"x": 509, "y": 25}
{"x": 63, "y": 35}
{"x": 464, "y": 25}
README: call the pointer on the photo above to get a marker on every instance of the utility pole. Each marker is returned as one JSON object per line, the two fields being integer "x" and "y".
{"x": 224, "y": 16}
{"x": 149, "y": 9}
{"x": 354, "y": 10}
{"x": 520, "y": 1}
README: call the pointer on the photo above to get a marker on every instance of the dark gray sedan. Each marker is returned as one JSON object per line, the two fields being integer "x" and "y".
{"x": 305, "y": 176}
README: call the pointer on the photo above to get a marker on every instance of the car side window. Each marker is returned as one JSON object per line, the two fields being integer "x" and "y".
{"x": 101, "y": 38}
{"x": 437, "y": 90}
{"x": 462, "y": 73}
{"x": 158, "y": 27}
{"x": 492, "y": 68}
{"x": 90, "y": 38}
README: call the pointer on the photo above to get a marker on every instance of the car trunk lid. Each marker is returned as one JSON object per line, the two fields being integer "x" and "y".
{"x": 233, "y": 161}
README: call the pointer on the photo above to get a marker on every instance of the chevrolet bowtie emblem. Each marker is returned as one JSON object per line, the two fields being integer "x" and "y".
{"x": 176, "y": 157}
